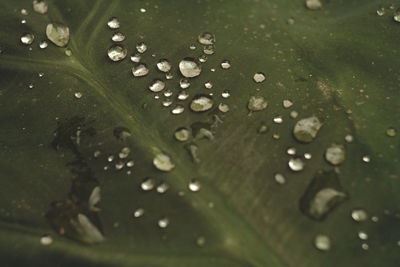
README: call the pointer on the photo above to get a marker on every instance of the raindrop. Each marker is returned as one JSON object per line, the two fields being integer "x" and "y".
{"x": 118, "y": 37}
{"x": 27, "y": 38}
{"x": 278, "y": 120}
{"x": 141, "y": 47}
{"x": 201, "y": 103}
{"x": 178, "y": 109}
{"x": 168, "y": 93}
{"x": 223, "y": 107}
{"x": 147, "y": 184}
{"x": 136, "y": 57}
{"x": 162, "y": 188}
{"x": 143, "y": 10}
{"x": 359, "y": 215}
{"x": 313, "y": 4}
{"x": 184, "y": 83}
{"x": 259, "y": 77}
{"x": 43, "y": 44}
{"x": 225, "y": 64}
{"x": 380, "y": 11}
{"x": 279, "y": 178}
{"x": 287, "y": 103}
{"x": 203, "y": 58}
{"x": 78, "y": 95}
{"x": 117, "y": 52}
{"x": 206, "y": 38}
{"x": 46, "y": 240}
{"x": 362, "y": 235}
{"x": 138, "y": 213}
{"x": 124, "y": 153}
{"x": 40, "y": 6}
{"x": 130, "y": 164}
{"x": 113, "y": 23}
{"x": 189, "y": 67}
{"x": 291, "y": 151}
{"x": 182, "y": 134}
{"x": 157, "y": 86}
{"x": 296, "y": 164}
{"x": 167, "y": 102}
{"x": 164, "y": 65}
{"x": 391, "y": 132}
{"x": 335, "y": 154}
{"x": 163, "y": 162}
{"x": 257, "y": 103}
{"x": 307, "y": 129}
{"x": 110, "y": 158}
{"x": 209, "y": 50}
{"x": 366, "y": 159}
{"x": 183, "y": 95}
{"x": 322, "y": 242}
{"x": 119, "y": 165}
{"x": 208, "y": 85}
{"x": 194, "y": 185}
{"x": 225, "y": 94}
{"x": 58, "y": 34}
{"x": 163, "y": 222}
{"x": 140, "y": 70}
{"x": 307, "y": 156}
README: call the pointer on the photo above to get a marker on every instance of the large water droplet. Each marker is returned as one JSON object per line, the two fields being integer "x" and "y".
{"x": 201, "y": 103}
{"x": 189, "y": 67}
{"x": 322, "y": 242}
{"x": 140, "y": 70}
{"x": 307, "y": 129}
{"x": 259, "y": 77}
{"x": 206, "y": 38}
{"x": 163, "y": 65}
{"x": 117, "y": 52}
{"x": 182, "y": 134}
{"x": 335, "y": 154}
{"x": 40, "y": 6}
{"x": 27, "y": 38}
{"x": 58, "y": 34}
{"x": 313, "y": 4}
{"x": 113, "y": 23}
{"x": 157, "y": 86}
{"x": 322, "y": 195}
{"x": 163, "y": 162}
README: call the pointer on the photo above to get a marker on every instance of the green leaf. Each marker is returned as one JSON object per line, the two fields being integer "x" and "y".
{"x": 338, "y": 63}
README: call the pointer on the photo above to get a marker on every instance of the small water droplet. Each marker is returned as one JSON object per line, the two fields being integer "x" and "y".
{"x": 192, "y": 47}
{"x": 296, "y": 164}
{"x": 118, "y": 37}
{"x": 223, "y": 107}
{"x": 313, "y": 4}
{"x": 294, "y": 114}
{"x": 167, "y": 102}
{"x": 141, "y": 47}
{"x": 157, "y": 85}
{"x": 24, "y": 12}
{"x": 163, "y": 162}
{"x": 291, "y": 151}
{"x": 366, "y": 159}
{"x": 58, "y": 34}
{"x": 359, "y": 215}
{"x": 287, "y": 103}
{"x": 391, "y": 132}
{"x": 124, "y": 153}
{"x": 147, "y": 184}
{"x": 113, "y": 23}
{"x": 110, "y": 158}
{"x": 307, "y": 156}
{"x": 362, "y": 235}
{"x": 43, "y": 44}
{"x": 183, "y": 95}
{"x": 121, "y": 133}
{"x": 396, "y": 16}
{"x": 182, "y": 134}
{"x": 194, "y": 185}
{"x": 140, "y": 70}
{"x": 306, "y": 130}
{"x": 257, "y": 103}
{"x": 168, "y": 93}
{"x": 163, "y": 222}
{"x": 162, "y": 188}
{"x": 97, "y": 154}
{"x": 27, "y": 38}
{"x": 209, "y": 49}
{"x": 31, "y": 86}
{"x": 380, "y": 11}
{"x": 164, "y": 65}
{"x": 278, "y": 120}
{"x": 262, "y": 129}
{"x": 225, "y": 94}
{"x": 23, "y": 21}
{"x": 189, "y": 67}
{"x": 117, "y": 52}
{"x": 40, "y": 6}
{"x": 349, "y": 138}
{"x": 130, "y": 164}
{"x": 203, "y": 58}
{"x": 225, "y": 64}
{"x": 184, "y": 83}
{"x": 201, "y": 103}
{"x": 136, "y": 57}
{"x": 322, "y": 242}
{"x": 365, "y": 246}
{"x": 46, "y": 240}
{"x": 208, "y": 85}
{"x": 335, "y": 154}
{"x": 169, "y": 76}
{"x": 41, "y": 74}
{"x": 206, "y": 38}
{"x": 143, "y": 10}
{"x": 259, "y": 77}
{"x": 279, "y": 178}
{"x": 78, "y": 95}
{"x": 138, "y": 213}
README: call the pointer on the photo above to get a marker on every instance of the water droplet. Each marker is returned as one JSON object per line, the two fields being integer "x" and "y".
{"x": 184, "y": 83}
{"x": 257, "y": 103}
{"x": 117, "y": 52}
{"x": 307, "y": 156}
{"x": 40, "y": 6}
{"x": 203, "y": 58}
{"x": 206, "y": 38}
{"x": 110, "y": 158}
{"x": 168, "y": 93}
{"x": 359, "y": 215}
{"x": 278, "y": 120}
{"x": 192, "y": 47}
{"x": 141, "y": 47}
{"x": 136, "y": 57}
{"x": 78, "y": 95}
{"x": 208, "y": 85}
{"x": 147, "y": 184}
{"x": 396, "y": 16}
{"x": 209, "y": 49}
{"x": 58, "y": 34}
{"x": 223, "y": 107}
{"x": 225, "y": 94}
{"x": 294, "y": 114}
{"x": 322, "y": 195}
{"x": 163, "y": 162}
{"x": 391, "y": 132}
{"x": 362, "y": 235}
{"x": 167, "y": 102}
{"x": 163, "y": 222}
{"x": 118, "y": 37}
{"x": 163, "y": 65}
{"x": 201, "y": 103}
{"x": 279, "y": 178}
{"x": 182, "y": 134}
{"x": 46, "y": 240}
{"x": 189, "y": 67}
{"x": 41, "y": 74}
{"x": 43, "y": 44}
{"x": 306, "y": 130}
{"x": 124, "y": 153}
{"x": 138, "y": 213}
{"x": 335, "y": 154}
{"x": 31, "y": 86}
{"x": 322, "y": 242}
{"x": 178, "y": 109}
{"x": 143, "y": 10}
{"x": 27, "y": 38}
{"x": 287, "y": 103}
{"x": 121, "y": 133}
{"x": 201, "y": 241}
{"x": 169, "y": 76}
{"x": 23, "y": 21}
{"x": 349, "y": 138}
{"x": 366, "y": 159}
{"x": 24, "y": 12}
{"x": 194, "y": 185}
{"x": 380, "y": 11}
{"x": 183, "y": 95}
{"x": 113, "y": 23}
{"x": 157, "y": 85}
{"x": 291, "y": 151}
{"x": 140, "y": 70}
{"x": 259, "y": 77}
{"x": 130, "y": 164}
{"x": 162, "y": 188}
{"x": 313, "y": 4}
{"x": 97, "y": 154}
{"x": 296, "y": 164}
{"x": 225, "y": 64}
{"x": 365, "y": 246}
{"x": 262, "y": 129}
